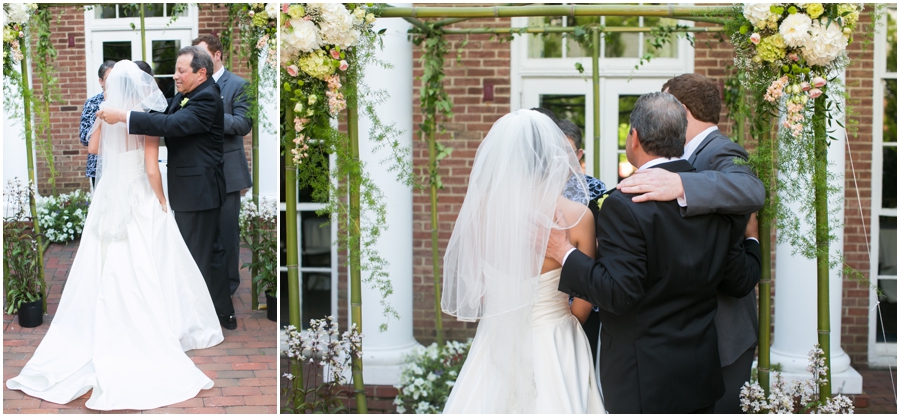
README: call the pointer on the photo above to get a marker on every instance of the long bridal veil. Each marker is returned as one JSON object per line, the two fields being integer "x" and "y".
{"x": 493, "y": 261}
{"x": 130, "y": 89}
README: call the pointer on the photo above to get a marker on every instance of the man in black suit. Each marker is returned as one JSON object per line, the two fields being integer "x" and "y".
{"x": 237, "y": 174}
{"x": 193, "y": 126}
{"x": 721, "y": 186}
{"x": 656, "y": 280}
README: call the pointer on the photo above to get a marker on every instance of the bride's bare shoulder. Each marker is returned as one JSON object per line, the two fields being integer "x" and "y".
{"x": 575, "y": 212}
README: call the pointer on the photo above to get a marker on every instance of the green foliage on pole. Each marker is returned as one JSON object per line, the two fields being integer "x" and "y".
{"x": 29, "y": 150}
{"x": 435, "y": 103}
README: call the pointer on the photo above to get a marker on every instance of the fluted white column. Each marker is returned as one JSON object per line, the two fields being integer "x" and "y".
{"x": 384, "y": 352}
{"x": 796, "y": 329}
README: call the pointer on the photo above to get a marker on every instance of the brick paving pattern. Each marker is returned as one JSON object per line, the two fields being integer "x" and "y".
{"x": 243, "y": 367}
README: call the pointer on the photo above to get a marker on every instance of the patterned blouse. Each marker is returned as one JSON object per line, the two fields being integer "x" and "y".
{"x": 88, "y": 116}
{"x": 595, "y": 187}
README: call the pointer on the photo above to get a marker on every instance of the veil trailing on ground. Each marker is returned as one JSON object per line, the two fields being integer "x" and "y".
{"x": 493, "y": 261}
{"x": 121, "y": 155}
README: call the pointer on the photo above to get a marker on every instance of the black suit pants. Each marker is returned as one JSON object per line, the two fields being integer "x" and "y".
{"x": 200, "y": 231}
{"x": 735, "y": 375}
{"x": 231, "y": 239}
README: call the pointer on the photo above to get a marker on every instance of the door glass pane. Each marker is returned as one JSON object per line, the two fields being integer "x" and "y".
{"x": 316, "y": 242}
{"x": 153, "y": 10}
{"x": 305, "y": 194}
{"x": 573, "y": 47}
{"x": 887, "y": 312}
{"x": 621, "y": 45}
{"x": 105, "y": 11}
{"x": 116, "y": 51}
{"x": 170, "y": 10}
{"x": 670, "y": 49}
{"x": 887, "y": 245}
{"x": 891, "y": 40}
{"x": 890, "y": 111}
{"x": 282, "y": 242}
{"x": 545, "y": 45}
{"x": 164, "y": 53}
{"x": 626, "y": 106}
{"x": 316, "y": 300}
{"x": 571, "y": 108}
{"x": 889, "y": 178}
{"x": 284, "y": 303}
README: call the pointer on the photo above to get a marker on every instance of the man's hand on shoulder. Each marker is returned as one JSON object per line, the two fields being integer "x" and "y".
{"x": 654, "y": 184}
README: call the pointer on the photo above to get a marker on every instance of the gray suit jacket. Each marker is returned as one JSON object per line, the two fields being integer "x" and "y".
{"x": 724, "y": 187}
{"x": 237, "y": 124}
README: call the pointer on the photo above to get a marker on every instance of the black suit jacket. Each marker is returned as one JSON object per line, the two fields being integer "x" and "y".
{"x": 194, "y": 138}
{"x": 655, "y": 283}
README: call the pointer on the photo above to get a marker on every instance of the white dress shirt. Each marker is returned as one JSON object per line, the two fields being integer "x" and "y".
{"x": 689, "y": 149}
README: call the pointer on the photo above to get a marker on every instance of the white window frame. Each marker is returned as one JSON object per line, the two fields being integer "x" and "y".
{"x": 880, "y": 354}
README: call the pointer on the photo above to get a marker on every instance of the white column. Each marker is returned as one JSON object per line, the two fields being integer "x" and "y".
{"x": 384, "y": 352}
{"x": 796, "y": 329}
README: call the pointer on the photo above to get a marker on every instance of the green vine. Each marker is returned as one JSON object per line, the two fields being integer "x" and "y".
{"x": 436, "y": 106}
{"x": 43, "y": 57}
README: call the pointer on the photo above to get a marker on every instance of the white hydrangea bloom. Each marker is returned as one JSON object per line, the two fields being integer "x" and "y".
{"x": 795, "y": 29}
{"x": 336, "y": 25}
{"x": 824, "y": 44}
{"x": 757, "y": 13}
{"x": 18, "y": 12}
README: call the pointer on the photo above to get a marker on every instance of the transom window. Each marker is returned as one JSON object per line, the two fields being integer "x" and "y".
{"x": 116, "y": 11}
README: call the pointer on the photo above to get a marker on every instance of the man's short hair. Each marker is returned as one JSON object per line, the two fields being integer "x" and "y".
{"x": 212, "y": 43}
{"x": 104, "y": 67}
{"x": 200, "y": 59}
{"x": 144, "y": 67}
{"x": 661, "y": 122}
{"x": 545, "y": 112}
{"x": 699, "y": 94}
{"x": 572, "y": 131}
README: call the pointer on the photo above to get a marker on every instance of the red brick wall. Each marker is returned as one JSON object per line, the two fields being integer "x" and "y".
{"x": 70, "y": 156}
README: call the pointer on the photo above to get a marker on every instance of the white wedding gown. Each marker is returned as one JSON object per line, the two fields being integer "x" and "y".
{"x": 130, "y": 308}
{"x": 563, "y": 368}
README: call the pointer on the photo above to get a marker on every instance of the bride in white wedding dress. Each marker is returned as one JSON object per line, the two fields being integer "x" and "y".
{"x": 529, "y": 354}
{"x": 134, "y": 300}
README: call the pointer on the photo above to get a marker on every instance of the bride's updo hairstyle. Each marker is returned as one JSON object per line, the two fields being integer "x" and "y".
{"x": 493, "y": 261}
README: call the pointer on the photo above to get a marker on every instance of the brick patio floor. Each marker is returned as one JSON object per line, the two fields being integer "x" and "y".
{"x": 243, "y": 367}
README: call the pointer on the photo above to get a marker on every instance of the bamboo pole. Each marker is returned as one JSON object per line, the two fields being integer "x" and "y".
{"x": 680, "y": 12}
{"x": 571, "y": 29}
{"x": 595, "y": 70}
{"x": 766, "y": 135}
{"x": 143, "y": 36}
{"x": 820, "y": 180}
{"x": 29, "y": 150}
{"x": 435, "y": 259}
{"x": 254, "y": 155}
{"x": 290, "y": 225}
{"x": 355, "y": 252}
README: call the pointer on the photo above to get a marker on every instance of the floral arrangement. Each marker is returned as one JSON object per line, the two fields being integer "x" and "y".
{"x": 315, "y": 41}
{"x": 14, "y": 18}
{"x": 425, "y": 383}
{"x": 62, "y": 218}
{"x": 803, "y": 43}
{"x": 798, "y": 396}
{"x": 326, "y": 354}
{"x": 22, "y": 271}
{"x": 258, "y": 231}
{"x": 258, "y": 25}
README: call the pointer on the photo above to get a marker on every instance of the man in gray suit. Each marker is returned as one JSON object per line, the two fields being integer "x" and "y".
{"x": 721, "y": 186}
{"x": 237, "y": 174}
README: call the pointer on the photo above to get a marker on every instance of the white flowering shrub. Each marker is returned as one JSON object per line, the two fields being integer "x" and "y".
{"x": 426, "y": 381}
{"x": 797, "y": 396}
{"x": 62, "y": 217}
{"x": 323, "y": 354}
{"x": 259, "y": 228}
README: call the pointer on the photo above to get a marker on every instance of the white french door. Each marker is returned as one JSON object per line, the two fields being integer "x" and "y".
{"x": 162, "y": 51}
{"x": 570, "y": 98}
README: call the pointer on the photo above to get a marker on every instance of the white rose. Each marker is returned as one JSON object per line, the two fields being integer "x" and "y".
{"x": 271, "y": 9}
{"x": 824, "y": 44}
{"x": 795, "y": 29}
{"x": 757, "y": 13}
